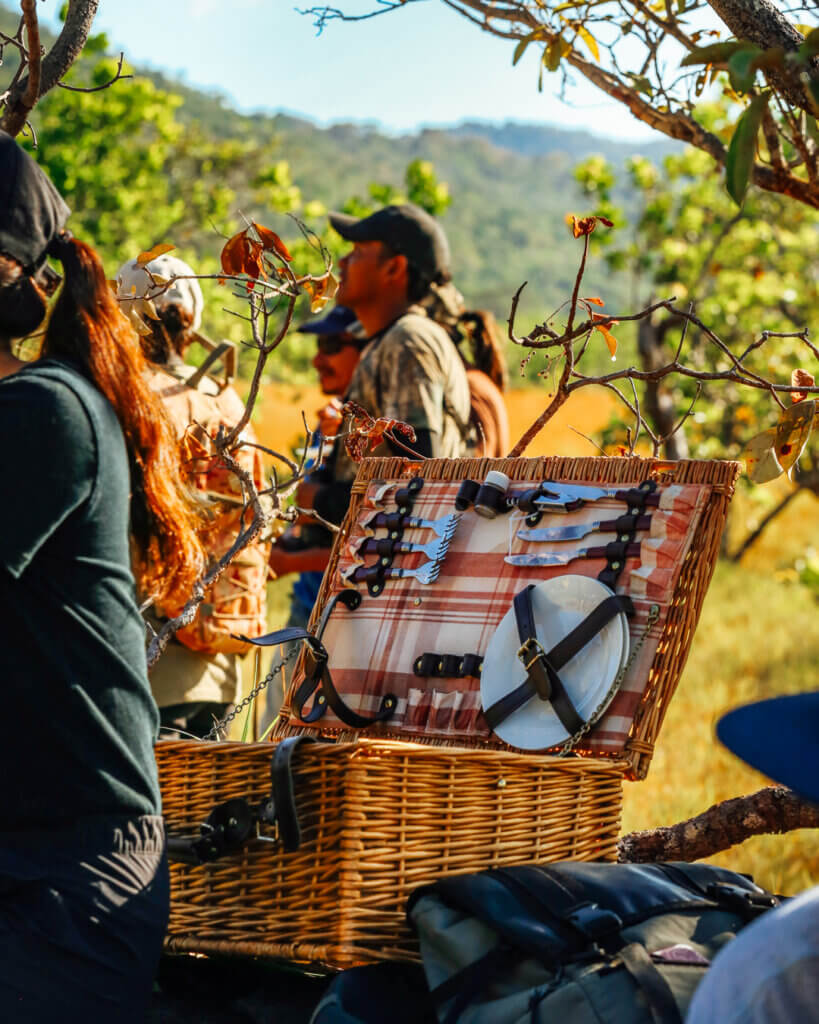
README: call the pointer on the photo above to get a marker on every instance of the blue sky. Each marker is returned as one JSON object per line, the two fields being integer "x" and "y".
{"x": 423, "y": 64}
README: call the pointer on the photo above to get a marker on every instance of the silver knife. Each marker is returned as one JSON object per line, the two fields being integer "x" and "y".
{"x": 560, "y": 533}
{"x": 554, "y": 558}
{"x": 569, "y": 493}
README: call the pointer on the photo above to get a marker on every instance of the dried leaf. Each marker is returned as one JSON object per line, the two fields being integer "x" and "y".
{"x": 611, "y": 341}
{"x": 151, "y": 254}
{"x": 777, "y": 450}
{"x": 801, "y": 378}
{"x": 271, "y": 242}
{"x": 233, "y": 251}
{"x": 594, "y": 299}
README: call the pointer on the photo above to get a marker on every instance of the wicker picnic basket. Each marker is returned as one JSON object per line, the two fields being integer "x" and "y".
{"x": 378, "y": 820}
{"x": 383, "y": 812}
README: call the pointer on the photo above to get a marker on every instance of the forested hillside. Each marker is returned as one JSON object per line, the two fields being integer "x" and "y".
{"x": 201, "y": 162}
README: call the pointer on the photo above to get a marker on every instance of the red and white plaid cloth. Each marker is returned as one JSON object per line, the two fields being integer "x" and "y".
{"x": 372, "y": 649}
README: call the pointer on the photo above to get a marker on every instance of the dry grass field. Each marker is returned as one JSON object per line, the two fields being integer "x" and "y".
{"x": 278, "y": 417}
{"x": 758, "y": 637}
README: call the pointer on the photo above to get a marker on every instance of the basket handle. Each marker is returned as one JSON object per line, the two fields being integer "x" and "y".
{"x": 231, "y": 824}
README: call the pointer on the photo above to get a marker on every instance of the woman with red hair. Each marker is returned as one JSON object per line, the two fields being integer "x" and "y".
{"x": 92, "y": 485}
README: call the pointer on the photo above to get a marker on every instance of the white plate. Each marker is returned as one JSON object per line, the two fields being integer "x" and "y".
{"x": 559, "y": 605}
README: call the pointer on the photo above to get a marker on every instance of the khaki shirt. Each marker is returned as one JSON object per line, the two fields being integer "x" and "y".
{"x": 412, "y": 372}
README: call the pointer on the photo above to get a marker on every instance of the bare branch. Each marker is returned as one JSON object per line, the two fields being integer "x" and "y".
{"x": 771, "y": 810}
{"x": 99, "y": 88}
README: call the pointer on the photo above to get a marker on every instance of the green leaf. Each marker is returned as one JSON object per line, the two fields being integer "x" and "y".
{"x": 556, "y": 49}
{"x": 520, "y": 49}
{"x": 641, "y": 83}
{"x": 813, "y": 94}
{"x": 742, "y": 68}
{"x": 740, "y": 159}
{"x": 810, "y": 47}
{"x": 716, "y": 53}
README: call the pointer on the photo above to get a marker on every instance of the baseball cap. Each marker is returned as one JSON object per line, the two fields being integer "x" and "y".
{"x": 134, "y": 282}
{"x": 406, "y": 229}
{"x": 340, "y": 320}
{"x": 780, "y": 738}
{"x": 32, "y": 211}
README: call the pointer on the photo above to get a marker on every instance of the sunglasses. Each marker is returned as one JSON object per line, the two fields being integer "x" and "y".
{"x": 332, "y": 344}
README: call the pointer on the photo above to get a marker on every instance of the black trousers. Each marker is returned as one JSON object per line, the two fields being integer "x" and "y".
{"x": 83, "y": 914}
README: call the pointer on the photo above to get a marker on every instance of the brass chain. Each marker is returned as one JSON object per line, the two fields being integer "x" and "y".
{"x": 572, "y": 741}
{"x": 254, "y": 693}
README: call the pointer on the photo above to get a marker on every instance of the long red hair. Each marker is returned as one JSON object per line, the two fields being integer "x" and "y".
{"x": 87, "y": 326}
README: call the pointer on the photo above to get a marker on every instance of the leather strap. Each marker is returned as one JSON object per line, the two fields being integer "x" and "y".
{"x": 657, "y": 991}
{"x": 542, "y": 673}
{"x": 447, "y": 666}
{"x": 212, "y": 357}
{"x": 284, "y": 796}
{"x": 548, "y": 664}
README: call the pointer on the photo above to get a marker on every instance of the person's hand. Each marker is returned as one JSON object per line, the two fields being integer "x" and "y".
{"x": 283, "y": 562}
{"x": 330, "y": 418}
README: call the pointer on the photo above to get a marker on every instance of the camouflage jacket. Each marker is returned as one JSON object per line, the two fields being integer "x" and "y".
{"x": 412, "y": 372}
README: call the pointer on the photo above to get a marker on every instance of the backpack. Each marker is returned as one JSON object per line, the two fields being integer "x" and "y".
{"x": 579, "y": 942}
{"x": 237, "y": 602}
{"x": 488, "y": 419}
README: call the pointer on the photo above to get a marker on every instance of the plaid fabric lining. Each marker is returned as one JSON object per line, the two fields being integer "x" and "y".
{"x": 372, "y": 649}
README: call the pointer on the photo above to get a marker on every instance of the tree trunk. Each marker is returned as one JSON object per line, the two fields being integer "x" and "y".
{"x": 658, "y": 402}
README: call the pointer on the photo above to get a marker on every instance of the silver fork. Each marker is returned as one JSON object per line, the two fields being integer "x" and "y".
{"x": 434, "y": 549}
{"x": 394, "y": 521}
{"x": 427, "y": 573}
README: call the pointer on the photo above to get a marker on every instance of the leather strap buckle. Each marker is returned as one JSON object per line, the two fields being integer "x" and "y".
{"x": 525, "y": 651}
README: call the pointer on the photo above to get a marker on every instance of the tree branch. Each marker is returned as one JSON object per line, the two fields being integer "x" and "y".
{"x": 66, "y": 49}
{"x": 772, "y": 810}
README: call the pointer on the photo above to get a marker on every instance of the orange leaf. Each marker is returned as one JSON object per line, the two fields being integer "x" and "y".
{"x": 272, "y": 242}
{"x": 151, "y": 254}
{"x": 801, "y": 378}
{"x": 611, "y": 341}
{"x": 233, "y": 254}
{"x": 596, "y": 301}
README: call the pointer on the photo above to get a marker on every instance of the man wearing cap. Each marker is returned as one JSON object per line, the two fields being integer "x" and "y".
{"x": 410, "y": 369}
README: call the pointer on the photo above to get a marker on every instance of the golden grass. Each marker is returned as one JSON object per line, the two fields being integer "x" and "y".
{"x": 756, "y": 638}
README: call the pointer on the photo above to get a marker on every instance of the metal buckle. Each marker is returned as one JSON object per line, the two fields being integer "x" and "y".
{"x": 523, "y": 651}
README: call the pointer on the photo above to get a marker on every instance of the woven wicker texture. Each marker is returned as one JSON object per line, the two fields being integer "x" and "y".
{"x": 631, "y": 726}
{"x": 378, "y": 820}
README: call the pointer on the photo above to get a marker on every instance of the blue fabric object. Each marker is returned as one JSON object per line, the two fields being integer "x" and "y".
{"x": 769, "y": 974}
{"x": 337, "y": 321}
{"x": 779, "y": 737}
{"x": 305, "y": 591}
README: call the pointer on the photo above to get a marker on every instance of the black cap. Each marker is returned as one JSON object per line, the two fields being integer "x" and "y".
{"x": 32, "y": 211}
{"x": 406, "y": 229}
